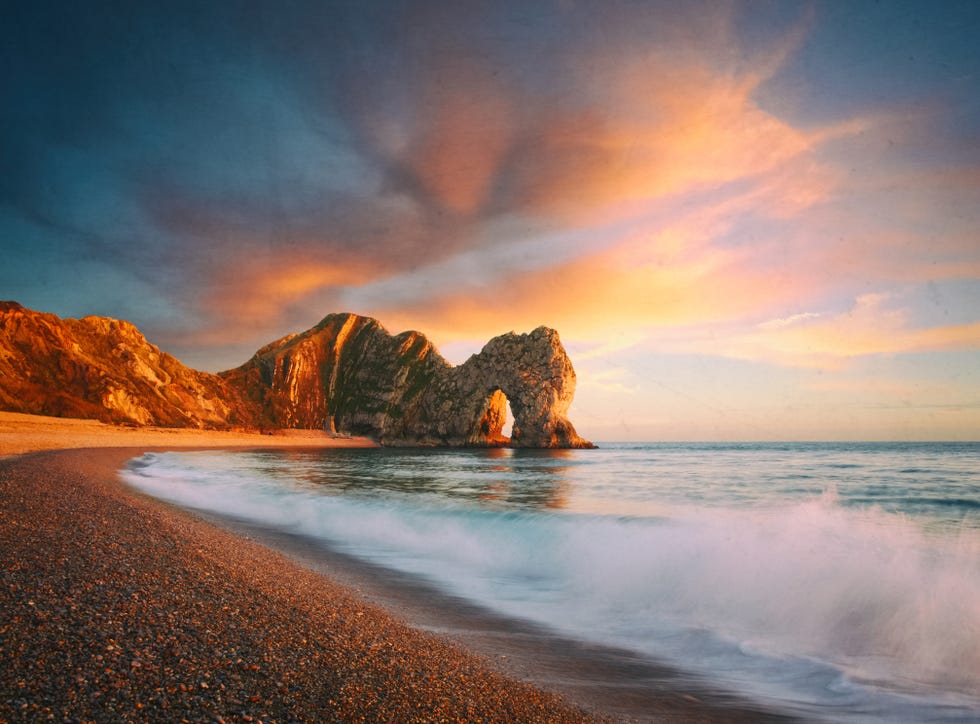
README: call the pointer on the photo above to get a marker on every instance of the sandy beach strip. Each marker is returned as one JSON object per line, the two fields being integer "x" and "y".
{"x": 21, "y": 433}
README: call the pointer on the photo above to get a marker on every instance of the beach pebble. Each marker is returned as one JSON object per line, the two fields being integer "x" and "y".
{"x": 114, "y": 607}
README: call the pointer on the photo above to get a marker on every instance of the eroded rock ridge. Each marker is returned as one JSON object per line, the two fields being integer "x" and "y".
{"x": 350, "y": 374}
{"x": 346, "y": 374}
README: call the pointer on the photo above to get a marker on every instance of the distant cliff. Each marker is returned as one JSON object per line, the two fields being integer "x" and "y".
{"x": 347, "y": 373}
{"x": 104, "y": 369}
{"x": 350, "y": 372}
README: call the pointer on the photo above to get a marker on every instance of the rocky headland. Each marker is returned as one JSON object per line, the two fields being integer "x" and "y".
{"x": 104, "y": 369}
{"x": 347, "y": 374}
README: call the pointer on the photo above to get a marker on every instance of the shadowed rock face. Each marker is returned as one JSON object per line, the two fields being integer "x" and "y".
{"x": 104, "y": 369}
{"x": 347, "y": 369}
{"x": 350, "y": 372}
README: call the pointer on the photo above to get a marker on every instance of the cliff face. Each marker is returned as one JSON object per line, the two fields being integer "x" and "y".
{"x": 351, "y": 373}
{"x": 104, "y": 369}
{"x": 347, "y": 369}
{"x": 346, "y": 373}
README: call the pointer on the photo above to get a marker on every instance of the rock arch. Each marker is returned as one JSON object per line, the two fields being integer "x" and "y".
{"x": 400, "y": 390}
{"x": 532, "y": 372}
{"x": 490, "y": 428}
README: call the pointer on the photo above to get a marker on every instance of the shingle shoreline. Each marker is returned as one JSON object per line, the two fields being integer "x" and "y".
{"x": 114, "y": 607}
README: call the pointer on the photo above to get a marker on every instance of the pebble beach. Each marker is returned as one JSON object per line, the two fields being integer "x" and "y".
{"x": 118, "y": 607}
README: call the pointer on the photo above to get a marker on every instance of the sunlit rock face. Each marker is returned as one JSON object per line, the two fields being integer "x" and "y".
{"x": 467, "y": 404}
{"x": 350, "y": 372}
{"x": 104, "y": 369}
{"x": 346, "y": 374}
{"x": 347, "y": 370}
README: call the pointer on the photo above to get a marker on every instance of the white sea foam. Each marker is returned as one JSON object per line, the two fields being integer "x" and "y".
{"x": 851, "y": 612}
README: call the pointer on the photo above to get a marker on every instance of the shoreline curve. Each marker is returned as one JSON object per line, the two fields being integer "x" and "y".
{"x": 116, "y": 605}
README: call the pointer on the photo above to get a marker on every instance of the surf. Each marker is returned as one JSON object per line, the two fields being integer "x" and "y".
{"x": 805, "y": 600}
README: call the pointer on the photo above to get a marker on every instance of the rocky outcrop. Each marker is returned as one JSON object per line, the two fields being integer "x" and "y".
{"x": 532, "y": 372}
{"x": 346, "y": 371}
{"x": 104, "y": 369}
{"x": 349, "y": 372}
{"x": 346, "y": 374}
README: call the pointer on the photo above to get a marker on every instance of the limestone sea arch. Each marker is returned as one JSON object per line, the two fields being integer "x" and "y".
{"x": 346, "y": 373}
{"x": 349, "y": 373}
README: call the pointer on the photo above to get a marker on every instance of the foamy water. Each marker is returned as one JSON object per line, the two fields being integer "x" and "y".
{"x": 832, "y": 581}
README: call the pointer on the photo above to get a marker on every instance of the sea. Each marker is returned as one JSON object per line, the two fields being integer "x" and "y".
{"x": 829, "y": 581}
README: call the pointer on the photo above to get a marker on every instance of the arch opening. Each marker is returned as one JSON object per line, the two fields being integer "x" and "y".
{"x": 508, "y": 428}
{"x": 497, "y": 418}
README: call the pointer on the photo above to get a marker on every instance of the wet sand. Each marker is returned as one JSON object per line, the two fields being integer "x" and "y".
{"x": 115, "y": 606}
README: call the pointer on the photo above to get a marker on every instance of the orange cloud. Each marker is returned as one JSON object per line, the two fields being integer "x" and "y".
{"x": 460, "y": 149}
{"x": 625, "y": 123}
{"x": 667, "y": 159}
{"x": 455, "y": 139}
{"x": 657, "y": 129}
{"x": 249, "y": 300}
{"x": 678, "y": 293}
{"x": 593, "y": 297}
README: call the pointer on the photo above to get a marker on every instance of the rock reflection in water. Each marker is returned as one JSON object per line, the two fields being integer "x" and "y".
{"x": 489, "y": 477}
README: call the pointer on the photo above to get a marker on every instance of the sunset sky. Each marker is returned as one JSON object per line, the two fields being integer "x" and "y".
{"x": 752, "y": 220}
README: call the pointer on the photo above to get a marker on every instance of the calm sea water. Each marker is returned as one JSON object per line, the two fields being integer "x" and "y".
{"x": 834, "y": 581}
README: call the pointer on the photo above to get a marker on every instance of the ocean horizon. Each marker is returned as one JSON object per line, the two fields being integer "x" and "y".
{"x": 825, "y": 580}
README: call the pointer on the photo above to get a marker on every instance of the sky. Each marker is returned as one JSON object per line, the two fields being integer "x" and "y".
{"x": 747, "y": 220}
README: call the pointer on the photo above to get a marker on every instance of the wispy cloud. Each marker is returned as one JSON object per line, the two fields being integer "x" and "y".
{"x": 788, "y": 321}
{"x": 874, "y": 325}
